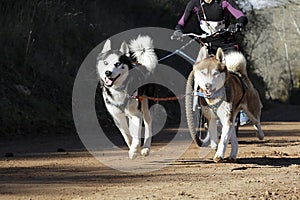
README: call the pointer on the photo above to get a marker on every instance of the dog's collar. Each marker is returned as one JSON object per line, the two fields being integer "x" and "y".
{"x": 219, "y": 93}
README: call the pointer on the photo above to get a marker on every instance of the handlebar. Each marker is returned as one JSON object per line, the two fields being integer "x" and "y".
{"x": 196, "y": 36}
{"x": 205, "y": 35}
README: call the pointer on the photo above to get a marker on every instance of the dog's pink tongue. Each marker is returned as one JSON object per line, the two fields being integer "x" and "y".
{"x": 207, "y": 93}
{"x": 108, "y": 81}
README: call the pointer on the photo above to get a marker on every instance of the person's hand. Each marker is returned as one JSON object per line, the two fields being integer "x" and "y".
{"x": 177, "y": 35}
{"x": 235, "y": 27}
{"x": 239, "y": 26}
{"x": 231, "y": 28}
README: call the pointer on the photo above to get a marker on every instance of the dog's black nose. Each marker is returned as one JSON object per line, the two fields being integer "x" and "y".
{"x": 208, "y": 85}
{"x": 108, "y": 73}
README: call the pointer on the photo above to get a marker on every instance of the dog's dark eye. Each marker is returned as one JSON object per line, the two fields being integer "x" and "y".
{"x": 118, "y": 64}
{"x": 216, "y": 74}
{"x": 105, "y": 63}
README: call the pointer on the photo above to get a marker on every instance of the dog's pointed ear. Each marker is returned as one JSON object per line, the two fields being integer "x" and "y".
{"x": 124, "y": 48}
{"x": 220, "y": 56}
{"x": 107, "y": 46}
{"x": 203, "y": 53}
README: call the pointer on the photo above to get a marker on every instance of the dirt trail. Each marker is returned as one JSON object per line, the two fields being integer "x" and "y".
{"x": 268, "y": 169}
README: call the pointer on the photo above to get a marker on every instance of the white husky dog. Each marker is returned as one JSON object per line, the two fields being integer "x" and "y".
{"x": 225, "y": 95}
{"x": 120, "y": 71}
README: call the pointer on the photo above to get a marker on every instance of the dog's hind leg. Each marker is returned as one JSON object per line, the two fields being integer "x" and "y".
{"x": 148, "y": 128}
{"x": 253, "y": 111}
{"x": 135, "y": 127}
{"x": 261, "y": 134}
{"x": 234, "y": 144}
{"x": 256, "y": 123}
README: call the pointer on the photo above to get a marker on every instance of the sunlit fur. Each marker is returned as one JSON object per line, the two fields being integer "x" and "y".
{"x": 212, "y": 76}
{"x": 113, "y": 68}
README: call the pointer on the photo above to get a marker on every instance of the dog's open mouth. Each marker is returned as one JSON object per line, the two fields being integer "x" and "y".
{"x": 209, "y": 93}
{"x": 110, "y": 81}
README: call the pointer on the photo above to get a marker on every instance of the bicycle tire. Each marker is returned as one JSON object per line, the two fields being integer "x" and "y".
{"x": 195, "y": 119}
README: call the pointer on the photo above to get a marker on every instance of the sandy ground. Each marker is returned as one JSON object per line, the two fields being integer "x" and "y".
{"x": 268, "y": 169}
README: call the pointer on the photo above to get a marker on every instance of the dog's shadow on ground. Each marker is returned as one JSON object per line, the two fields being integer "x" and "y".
{"x": 270, "y": 161}
{"x": 258, "y": 162}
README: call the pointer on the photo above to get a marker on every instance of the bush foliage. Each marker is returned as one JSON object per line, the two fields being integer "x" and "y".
{"x": 43, "y": 43}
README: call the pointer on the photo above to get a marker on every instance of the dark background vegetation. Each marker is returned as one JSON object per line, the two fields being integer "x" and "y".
{"x": 43, "y": 43}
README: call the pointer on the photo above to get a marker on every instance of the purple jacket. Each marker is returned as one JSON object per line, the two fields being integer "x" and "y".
{"x": 216, "y": 11}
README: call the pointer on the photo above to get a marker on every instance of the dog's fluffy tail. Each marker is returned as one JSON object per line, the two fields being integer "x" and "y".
{"x": 236, "y": 62}
{"x": 143, "y": 50}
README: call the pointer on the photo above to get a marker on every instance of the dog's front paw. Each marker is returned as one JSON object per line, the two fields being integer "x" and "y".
{"x": 218, "y": 159}
{"x": 145, "y": 152}
{"x": 132, "y": 154}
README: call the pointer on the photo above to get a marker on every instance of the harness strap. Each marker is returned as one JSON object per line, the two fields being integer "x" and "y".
{"x": 203, "y": 12}
{"x": 205, "y": 19}
{"x": 214, "y": 107}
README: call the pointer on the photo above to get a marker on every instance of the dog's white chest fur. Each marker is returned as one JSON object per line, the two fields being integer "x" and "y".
{"x": 224, "y": 110}
{"x": 120, "y": 102}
